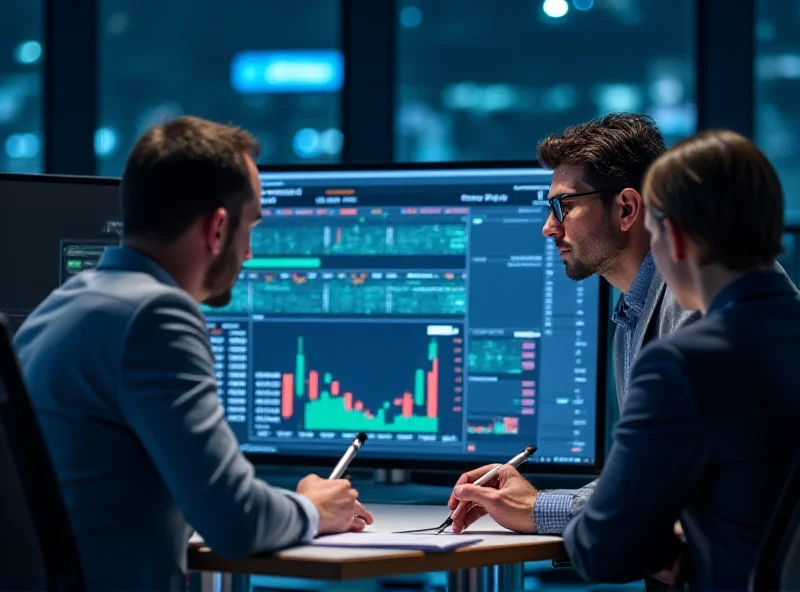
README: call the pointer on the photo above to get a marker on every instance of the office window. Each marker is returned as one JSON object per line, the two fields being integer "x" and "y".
{"x": 273, "y": 67}
{"x": 777, "y": 73}
{"x": 488, "y": 80}
{"x": 21, "y": 74}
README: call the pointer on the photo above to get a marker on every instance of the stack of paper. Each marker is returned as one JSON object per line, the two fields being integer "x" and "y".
{"x": 392, "y": 540}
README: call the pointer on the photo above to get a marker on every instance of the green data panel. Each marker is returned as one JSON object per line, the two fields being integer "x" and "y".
{"x": 359, "y": 237}
{"x": 351, "y": 294}
{"x": 495, "y": 356}
{"x": 331, "y": 413}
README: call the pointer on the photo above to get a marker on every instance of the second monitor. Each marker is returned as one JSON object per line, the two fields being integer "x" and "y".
{"x": 420, "y": 305}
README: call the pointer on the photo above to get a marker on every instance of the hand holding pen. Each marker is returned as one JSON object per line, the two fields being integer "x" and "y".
{"x": 335, "y": 499}
{"x": 497, "y": 490}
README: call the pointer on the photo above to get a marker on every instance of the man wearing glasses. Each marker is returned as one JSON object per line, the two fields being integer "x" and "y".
{"x": 597, "y": 221}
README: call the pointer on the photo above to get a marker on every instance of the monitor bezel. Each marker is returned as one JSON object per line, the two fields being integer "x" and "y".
{"x": 376, "y": 462}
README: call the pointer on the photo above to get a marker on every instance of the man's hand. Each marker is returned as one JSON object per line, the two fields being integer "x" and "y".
{"x": 508, "y": 498}
{"x": 337, "y": 504}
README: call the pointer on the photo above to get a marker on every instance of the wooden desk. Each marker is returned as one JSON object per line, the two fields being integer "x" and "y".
{"x": 495, "y": 563}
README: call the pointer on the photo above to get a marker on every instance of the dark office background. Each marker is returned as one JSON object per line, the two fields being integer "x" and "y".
{"x": 402, "y": 80}
{"x": 424, "y": 79}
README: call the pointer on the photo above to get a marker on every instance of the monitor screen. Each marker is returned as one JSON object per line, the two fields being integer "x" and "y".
{"x": 40, "y": 214}
{"x": 422, "y": 306}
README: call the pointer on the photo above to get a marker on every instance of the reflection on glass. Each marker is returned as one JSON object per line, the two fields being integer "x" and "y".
{"x": 274, "y": 68}
{"x": 21, "y": 59}
{"x": 475, "y": 83}
{"x": 777, "y": 71}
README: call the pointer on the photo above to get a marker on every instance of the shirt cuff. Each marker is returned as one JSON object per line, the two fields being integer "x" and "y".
{"x": 552, "y": 512}
{"x": 311, "y": 514}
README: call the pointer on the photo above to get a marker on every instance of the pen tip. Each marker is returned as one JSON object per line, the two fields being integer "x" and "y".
{"x": 530, "y": 449}
{"x": 362, "y": 437}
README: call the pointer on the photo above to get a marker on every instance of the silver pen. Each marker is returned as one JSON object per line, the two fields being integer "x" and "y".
{"x": 514, "y": 462}
{"x": 348, "y": 456}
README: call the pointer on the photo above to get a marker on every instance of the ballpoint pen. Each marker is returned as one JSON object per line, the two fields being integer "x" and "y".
{"x": 514, "y": 462}
{"x": 348, "y": 456}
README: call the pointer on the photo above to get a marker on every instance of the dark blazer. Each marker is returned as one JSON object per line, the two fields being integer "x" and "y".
{"x": 707, "y": 433}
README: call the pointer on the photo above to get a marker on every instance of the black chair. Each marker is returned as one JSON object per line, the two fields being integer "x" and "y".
{"x": 777, "y": 565}
{"x": 39, "y": 551}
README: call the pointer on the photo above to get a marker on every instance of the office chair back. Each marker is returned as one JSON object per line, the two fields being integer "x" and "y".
{"x": 39, "y": 551}
{"x": 777, "y": 565}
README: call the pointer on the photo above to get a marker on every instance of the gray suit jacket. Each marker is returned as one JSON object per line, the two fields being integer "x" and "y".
{"x": 120, "y": 370}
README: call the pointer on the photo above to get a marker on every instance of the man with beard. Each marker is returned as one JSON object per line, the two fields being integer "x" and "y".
{"x": 597, "y": 221}
{"x": 120, "y": 370}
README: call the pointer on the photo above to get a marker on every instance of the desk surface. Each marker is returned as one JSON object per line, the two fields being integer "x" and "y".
{"x": 499, "y": 546}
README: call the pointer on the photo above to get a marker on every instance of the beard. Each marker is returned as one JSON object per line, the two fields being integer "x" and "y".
{"x": 221, "y": 277}
{"x": 597, "y": 253}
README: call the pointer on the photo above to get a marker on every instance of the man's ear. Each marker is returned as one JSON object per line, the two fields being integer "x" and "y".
{"x": 676, "y": 240}
{"x": 216, "y": 230}
{"x": 631, "y": 207}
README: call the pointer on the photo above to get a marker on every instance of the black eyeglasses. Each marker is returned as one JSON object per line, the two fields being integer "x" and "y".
{"x": 558, "y": 210}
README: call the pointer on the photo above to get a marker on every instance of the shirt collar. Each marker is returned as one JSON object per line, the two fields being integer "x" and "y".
{"x": 127, "y": 259}
{"x": 637, "y": 294}
{"x": 631, "y": 304}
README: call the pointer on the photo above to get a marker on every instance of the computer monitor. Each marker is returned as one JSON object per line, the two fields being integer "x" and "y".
{"x": 419, "y": 304}
{"x": 43, "y": 215}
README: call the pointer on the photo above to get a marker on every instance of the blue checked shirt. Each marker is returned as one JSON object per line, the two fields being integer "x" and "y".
{"x": 629, "y": 310}
{"x": 554, "y": 509}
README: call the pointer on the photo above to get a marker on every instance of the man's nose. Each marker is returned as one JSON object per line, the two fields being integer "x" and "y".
{"x": 552, "y": 228}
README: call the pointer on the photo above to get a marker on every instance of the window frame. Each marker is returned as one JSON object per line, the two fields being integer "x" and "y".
{"x": 725, "y": 45}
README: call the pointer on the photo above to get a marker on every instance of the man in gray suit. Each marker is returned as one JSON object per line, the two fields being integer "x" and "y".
{"x": 597, "y": 222}
{"x": 121, "y": 373}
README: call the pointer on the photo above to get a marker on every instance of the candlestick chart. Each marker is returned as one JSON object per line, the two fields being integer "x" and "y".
{"x": 373, "y": 377}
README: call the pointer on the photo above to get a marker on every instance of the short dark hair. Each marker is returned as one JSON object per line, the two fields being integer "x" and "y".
{"x": 615, "y": 150}
{"x": 182, "y": 170}
{"x": 721, "y": 190}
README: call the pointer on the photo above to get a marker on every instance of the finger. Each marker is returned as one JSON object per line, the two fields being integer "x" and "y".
{"x": 461, "y": 509}
{"x": 460, "y": 512}
{"x": 484, "y": 496}
{"x": 453, "y": 502}
{"x": 475, "y": 513}
{"x": 364, "y": 514}
{"x": 469, "y": 477}
{"x": 358, "y": 524}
